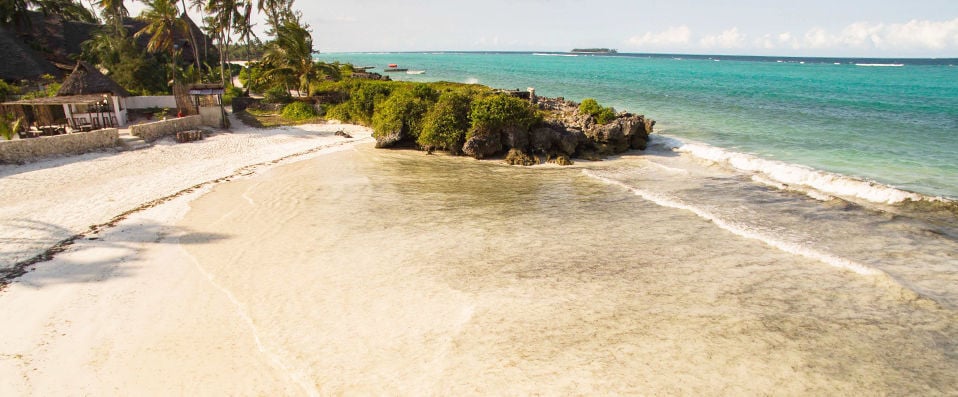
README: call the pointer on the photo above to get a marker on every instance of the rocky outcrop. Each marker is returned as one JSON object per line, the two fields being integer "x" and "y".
{"x": 563, "y": 135}
{"x": 388, "y": 139}
{"x": 483, "y": 145}
{"x": 626, "y": 132}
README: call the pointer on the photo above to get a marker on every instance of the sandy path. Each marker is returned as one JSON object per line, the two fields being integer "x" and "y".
{"x": 50, "y": 200}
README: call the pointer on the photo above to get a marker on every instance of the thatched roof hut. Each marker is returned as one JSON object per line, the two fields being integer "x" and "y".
{"x": 20, "y": 61}
{"x": 86, "y": 80}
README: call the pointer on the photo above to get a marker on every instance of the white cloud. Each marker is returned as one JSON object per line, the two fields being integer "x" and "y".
{"x": 914, "y": 35}
{"x": 927, "y": 34}
{"x": 728, "y": 39}
{"x": 673, "y": 36}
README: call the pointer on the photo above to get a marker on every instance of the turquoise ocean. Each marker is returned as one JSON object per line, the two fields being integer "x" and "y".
{"x": 890, "y": 121}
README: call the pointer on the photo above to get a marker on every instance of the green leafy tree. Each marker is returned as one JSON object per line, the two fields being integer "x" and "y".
{"x": 492, "y": 113}
{"x": 163, "y": 24}
{"x": 224, "y": 15}
{"x": 129, "y": 65}
{"x": 447, "y": 122}
{"x": 290, "y": 54}
{"x": 402, "y": 112}
{"x": 362, "y": 102}
{"x": 113, "y": 11}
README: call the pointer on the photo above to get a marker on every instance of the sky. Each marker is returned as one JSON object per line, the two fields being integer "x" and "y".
{"x": 842, "y": 28}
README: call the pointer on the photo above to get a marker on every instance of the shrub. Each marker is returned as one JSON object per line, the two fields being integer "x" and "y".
{"x": 425, "y": 92}
{"x": 403, "y": 111}
{"x": 9, "y": 125}
{"x": 446, "y": 124}
{"x": 493, "y": 113}
{"x": 299, "y": 111}
{"x": 602, "y": 115}
{"x": 277, "y": 95}
{"x": 7, "y": 91}
{"x": 230, "y": 93}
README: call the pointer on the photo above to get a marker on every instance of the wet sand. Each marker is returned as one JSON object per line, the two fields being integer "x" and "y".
{"x": 370, "y": 271}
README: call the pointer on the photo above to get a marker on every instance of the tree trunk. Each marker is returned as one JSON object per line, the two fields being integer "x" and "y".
{"x": 222, "y": 64}
{"x": 196, "y": 51}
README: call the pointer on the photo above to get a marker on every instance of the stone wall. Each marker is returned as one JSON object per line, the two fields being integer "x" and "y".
{"x": 158, "y": 129}
{"x": 23, "y": 150}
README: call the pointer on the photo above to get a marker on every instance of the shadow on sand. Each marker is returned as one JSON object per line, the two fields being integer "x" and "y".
{"x": 90, "y": 258}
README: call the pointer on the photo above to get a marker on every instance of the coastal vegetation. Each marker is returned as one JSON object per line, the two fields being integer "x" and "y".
{"x": 480, "y": 122}
{"x": 164, "y": 49}
{"x": 603, "y": 115}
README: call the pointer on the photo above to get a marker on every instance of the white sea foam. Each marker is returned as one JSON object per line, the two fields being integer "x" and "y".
{"x": 793, "y": 176}
{"x": 746, "y": 230}
{"x": 472, "y": 80}
{"x": 887, "y": 65}
{"x": 542, "y": 54}
{"x": 742, "y": 229}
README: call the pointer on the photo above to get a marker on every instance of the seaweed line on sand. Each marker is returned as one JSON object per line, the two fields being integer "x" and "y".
{"x": 18, "y": 269}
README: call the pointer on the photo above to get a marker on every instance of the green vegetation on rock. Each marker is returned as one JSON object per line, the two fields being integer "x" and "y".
{"x": 401, "y": 114}
{"x": 602, "y": 115}
{"x": 446, "y": 124}
{"x": 491, "y": 114}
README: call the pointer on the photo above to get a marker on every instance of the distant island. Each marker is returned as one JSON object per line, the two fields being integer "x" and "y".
{"x": 595, "y": 50}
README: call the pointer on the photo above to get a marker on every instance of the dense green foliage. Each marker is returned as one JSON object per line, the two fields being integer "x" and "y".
{"x": 495, "y": 112}
{"x": 127, "y": 64}
{"x": 363, "y": 97}
{"x": 230, "y": 93}
{"x": 7, "y": 91}
{"x": 403, "y": 111}
{"x": 277, "y": 95}
{"x": 435, "y": 115}
{"x": 446, "y": 124}
{"x": 298, "y": 111}
{"x": 602, "y": 115}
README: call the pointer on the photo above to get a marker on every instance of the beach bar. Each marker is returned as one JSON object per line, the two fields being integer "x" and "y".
{"x": 87, "y": 100}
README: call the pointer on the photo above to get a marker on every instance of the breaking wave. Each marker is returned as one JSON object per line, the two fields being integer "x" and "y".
{"x": 816, "y": 183}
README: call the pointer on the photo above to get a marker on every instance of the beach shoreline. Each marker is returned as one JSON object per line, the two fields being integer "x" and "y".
{"x": 371, "y": 271}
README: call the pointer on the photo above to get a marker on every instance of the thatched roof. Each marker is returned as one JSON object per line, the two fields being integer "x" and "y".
{"x": 86, "y": 80}
{"x": 57, "y": 39}
{"x": 20, "y": 62}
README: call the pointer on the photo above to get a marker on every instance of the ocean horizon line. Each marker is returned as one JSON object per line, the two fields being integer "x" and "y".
{"x": 731, "y": 57}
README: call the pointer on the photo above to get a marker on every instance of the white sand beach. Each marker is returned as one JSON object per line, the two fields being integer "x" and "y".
{"x": 348, "y": 270}
{"x": 123, "y": 303}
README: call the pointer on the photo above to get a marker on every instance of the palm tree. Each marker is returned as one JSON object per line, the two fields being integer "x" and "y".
{"x": 225, "y": 13}
{"x": 163, "y": 24}
{"x": 189, "y": 28}
{"x": 114, "y": 11}
{"x": 291, "y": 54}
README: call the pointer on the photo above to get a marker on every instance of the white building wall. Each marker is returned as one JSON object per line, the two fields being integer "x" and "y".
{"x": 146, "y": 102}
